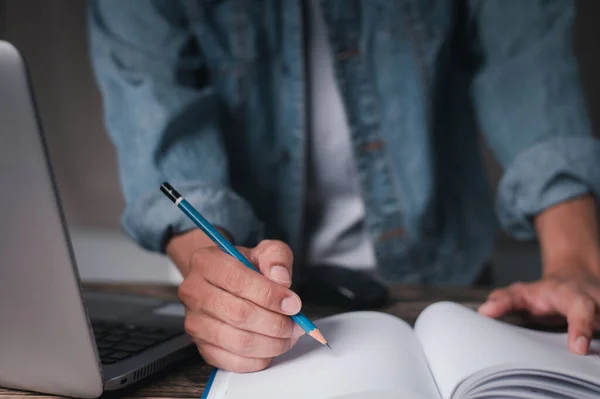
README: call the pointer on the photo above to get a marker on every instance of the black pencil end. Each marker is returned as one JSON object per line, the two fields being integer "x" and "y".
{"x": 169, "y": 191}
{"x": 329, "y": 346}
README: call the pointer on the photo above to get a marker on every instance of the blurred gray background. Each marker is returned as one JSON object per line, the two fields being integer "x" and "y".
{"x": 52, "y": 36}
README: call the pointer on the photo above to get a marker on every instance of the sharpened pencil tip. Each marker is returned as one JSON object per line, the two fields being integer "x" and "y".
{"x": 316, "y": 334}
{"x": 329, "y": 346}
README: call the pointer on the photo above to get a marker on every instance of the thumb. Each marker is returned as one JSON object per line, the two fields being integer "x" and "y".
{"x": 580, "y": 316}
{"x": 274, "y": 260}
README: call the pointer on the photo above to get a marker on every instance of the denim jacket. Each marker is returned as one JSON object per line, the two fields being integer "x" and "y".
{"x": 211, "y": 96}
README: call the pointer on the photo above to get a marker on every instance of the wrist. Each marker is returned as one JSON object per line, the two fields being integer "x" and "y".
{"x": 568, "y": 237}
{"x": 572, "y": 265}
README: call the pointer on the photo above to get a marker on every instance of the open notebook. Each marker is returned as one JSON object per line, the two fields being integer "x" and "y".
{"x": 453, "y": 352}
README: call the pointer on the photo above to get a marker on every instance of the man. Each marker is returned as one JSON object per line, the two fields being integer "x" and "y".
{"x": 348, "y": 131}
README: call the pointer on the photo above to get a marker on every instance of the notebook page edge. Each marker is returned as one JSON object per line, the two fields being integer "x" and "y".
{"x": 454, "y": 320}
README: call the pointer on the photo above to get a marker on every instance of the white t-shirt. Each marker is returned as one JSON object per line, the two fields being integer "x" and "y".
{"x": 336, "y": 232}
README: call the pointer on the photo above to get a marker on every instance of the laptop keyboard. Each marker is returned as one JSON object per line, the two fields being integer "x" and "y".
{"x": 118, "y": 341}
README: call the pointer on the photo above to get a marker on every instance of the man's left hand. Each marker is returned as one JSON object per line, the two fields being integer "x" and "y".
{"x": 573, "y": 293}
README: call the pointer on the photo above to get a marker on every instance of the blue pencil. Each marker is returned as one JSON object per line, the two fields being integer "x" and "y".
{"x": 229, "y": 249}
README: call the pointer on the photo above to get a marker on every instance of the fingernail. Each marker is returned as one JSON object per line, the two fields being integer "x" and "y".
{"x": 298, "y": 331}
{"x": 581, "y": 344}
{"x": 486, "y": 307}
{"x": 291, "y": 305}
{"x": 280, "y": 274}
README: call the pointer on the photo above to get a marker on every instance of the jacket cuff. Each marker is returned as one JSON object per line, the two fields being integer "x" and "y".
{"x": 154, "y": 219}
{"x": 544, "y": 175}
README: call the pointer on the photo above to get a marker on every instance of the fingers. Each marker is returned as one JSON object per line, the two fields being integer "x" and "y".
{"x": 572, "y": 301}
{"x": 274, "y": 260}
{"x": 239, "y": 318}
{"x": 225, "y": 360}
{"x": 243, "y": 343}
{"x": 233, "y": 277}
{"x": 503, "y": 301}
{"x": 547, "y": 298}
{"x": 580, "y": 316}
{"x": 245, "y": 315}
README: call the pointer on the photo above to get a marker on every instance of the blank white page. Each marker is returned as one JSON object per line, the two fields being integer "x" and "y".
{"x": 374, "y": 355}
{"x": 459, "y": 342}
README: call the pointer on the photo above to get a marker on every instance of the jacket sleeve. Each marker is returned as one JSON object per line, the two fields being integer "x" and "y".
{"x": 530, "y": 106}
{"x": 162, "y": 114}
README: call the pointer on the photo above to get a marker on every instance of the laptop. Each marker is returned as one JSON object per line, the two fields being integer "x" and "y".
{"x": 54, "y": 337}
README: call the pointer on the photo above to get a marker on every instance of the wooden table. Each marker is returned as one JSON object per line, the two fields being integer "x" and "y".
{"x": 188, "y": 379}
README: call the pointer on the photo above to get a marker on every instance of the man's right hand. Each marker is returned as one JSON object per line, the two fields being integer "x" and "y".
{"x": 238, "y": 318}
